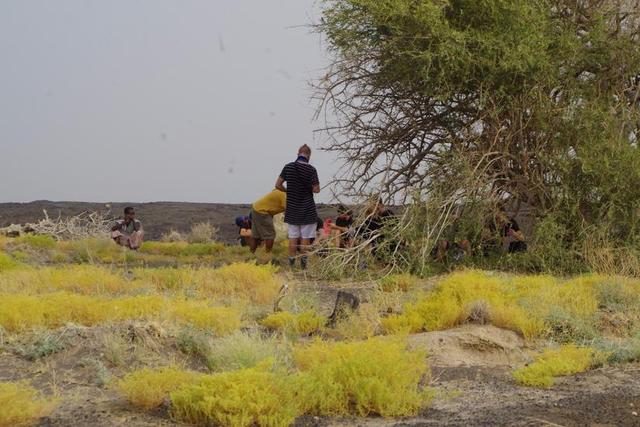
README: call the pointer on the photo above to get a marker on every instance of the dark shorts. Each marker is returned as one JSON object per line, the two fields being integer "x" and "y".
{"x": 262, "y": 226}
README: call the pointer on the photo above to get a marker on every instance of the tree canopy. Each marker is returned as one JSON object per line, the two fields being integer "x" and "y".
{"x": 535, "y": 101}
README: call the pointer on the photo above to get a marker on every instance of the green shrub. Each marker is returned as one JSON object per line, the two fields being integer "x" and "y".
{"x": 6, "y": 262}
{"x": 241, "y": 350}
{"x": 38, "y": 241}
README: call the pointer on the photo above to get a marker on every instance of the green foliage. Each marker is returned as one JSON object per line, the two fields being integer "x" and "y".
{"x": 531, "y": 102}
{"x": 38, "y": 241}
{"x": 6, "y": 262}
{"x": 566, "y": 360}
{"x": 43, "y": 346}
{"x": 240, "y": 351}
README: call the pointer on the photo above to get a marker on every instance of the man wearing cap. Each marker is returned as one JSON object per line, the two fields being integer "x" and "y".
{"x": 244, "y": 230}
{"x": 262, "y": 213}
{"x": 127, "y": 231}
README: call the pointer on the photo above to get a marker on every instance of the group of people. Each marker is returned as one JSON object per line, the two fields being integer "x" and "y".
{"x": 293, "y": 194}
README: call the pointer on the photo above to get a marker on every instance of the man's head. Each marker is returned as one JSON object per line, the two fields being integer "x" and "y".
{"x": 242, "y": 221}
{"x": 305, "y": 151}
{"x": 129, "y": 213}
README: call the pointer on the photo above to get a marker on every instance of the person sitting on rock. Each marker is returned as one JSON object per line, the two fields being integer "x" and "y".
{"x": 127, "y": 231}
{"x": 244, "y": 225}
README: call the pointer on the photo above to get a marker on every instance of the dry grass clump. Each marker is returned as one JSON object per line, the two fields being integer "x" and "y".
{"x": 21, "y": 404}
{"x": 241, "y": 350}
{"x": 566, "y": 360}
{"x": 19, "y": 312}
{"x": 202, "y": 232}
{"x": 172, "y": 236}
{"x": 519, "y": 303}
{"x": 377, "y": 376}
{"x": 148, "y": 388}
{"x": 294, "y": 324}
{"x": 247, "y": 397}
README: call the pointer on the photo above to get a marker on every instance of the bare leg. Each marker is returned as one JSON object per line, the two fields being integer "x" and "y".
{"x": 253, "y": 244}
{"x": 293, "y": 247}
{"x": 268, "y": 245}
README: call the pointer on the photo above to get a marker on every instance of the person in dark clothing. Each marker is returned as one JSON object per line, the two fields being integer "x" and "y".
{"x": 244, "y": 225}
{"x": 343, "y": 228}
{"x": 508, "y": 230}
{"x": 300, "y": 214}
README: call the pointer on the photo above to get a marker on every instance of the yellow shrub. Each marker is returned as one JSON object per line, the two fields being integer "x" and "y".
{"x": 19, "y": 312}
{"x": 519, "y": 303}
{"x": 247, "y": 397}
{"x": 220, "y": 320}
{"x": 147, "y": 388}
{"x": 256, "y": 283}
{"x": 395, "y": 282}
{"x": 376, "y": 376}
{"x": 21, "y": 404}
{"x": 80, "y": 279}
{"x": 566, "y": 360}
{"x": 304, "y": 323}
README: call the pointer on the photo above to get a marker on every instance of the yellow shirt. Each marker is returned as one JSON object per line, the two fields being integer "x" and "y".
{"x": 271, "y": 204}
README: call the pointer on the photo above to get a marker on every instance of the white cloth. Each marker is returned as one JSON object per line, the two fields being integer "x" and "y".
{"x": 302, "y": 231}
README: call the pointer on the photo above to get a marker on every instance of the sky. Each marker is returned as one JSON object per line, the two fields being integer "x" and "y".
{"x": 156, "y": 100}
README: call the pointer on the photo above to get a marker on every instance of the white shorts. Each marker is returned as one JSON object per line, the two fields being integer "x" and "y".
{"x": 302, "y": 231}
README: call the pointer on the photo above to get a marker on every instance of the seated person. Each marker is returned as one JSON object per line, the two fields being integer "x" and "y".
{"x": 244, "y": 230}
{"x": 502, "y": 230}
{"x": 511, "y": 233}
{"x": 377, "y": 216}
{"x": 343, "y": 232}
{"x": 127, "y": 231}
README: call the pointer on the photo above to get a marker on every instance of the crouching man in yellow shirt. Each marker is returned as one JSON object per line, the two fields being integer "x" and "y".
{"x": 262, "y": 213}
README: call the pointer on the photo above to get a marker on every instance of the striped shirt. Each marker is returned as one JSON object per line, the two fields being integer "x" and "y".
{"x": 300, "y": 178}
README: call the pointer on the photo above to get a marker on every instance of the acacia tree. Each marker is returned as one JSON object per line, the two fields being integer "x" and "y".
{"x": 531, "y": 100}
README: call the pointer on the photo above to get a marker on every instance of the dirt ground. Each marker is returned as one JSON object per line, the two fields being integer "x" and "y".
{"x": 157, "y": 217}
{"x": 470, "y": 367}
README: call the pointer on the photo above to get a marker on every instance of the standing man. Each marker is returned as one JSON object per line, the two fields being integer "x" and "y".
{"x": 300, "y": 214}
{"x": 262, "y": 213}
{"x": 127, "y": 232}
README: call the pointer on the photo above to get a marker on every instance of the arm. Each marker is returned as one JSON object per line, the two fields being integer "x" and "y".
{"x": 280, "y": 184}
{"x": 315, "y": 183}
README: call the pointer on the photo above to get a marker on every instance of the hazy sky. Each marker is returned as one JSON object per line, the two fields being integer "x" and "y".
{"x": 146, "y": 100}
